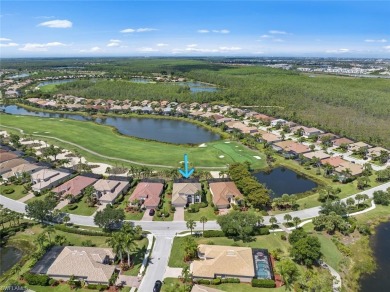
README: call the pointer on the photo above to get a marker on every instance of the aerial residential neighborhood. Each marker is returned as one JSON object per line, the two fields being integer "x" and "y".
{"x": 194, "y": 146}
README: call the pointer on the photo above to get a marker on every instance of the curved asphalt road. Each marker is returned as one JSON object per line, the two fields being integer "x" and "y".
{"x": 164, "y": 232}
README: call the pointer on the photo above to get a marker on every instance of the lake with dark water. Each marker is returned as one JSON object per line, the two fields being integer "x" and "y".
{"x": 59, "y": 81}
{"x": 163, "y": 130}
{"x": 284, "y": 181}
{"x": 380, "y": 279}
{"x": 195, "y": 86}
{"x": 9, "y": 256}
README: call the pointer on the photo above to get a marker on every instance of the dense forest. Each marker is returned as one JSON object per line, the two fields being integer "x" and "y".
{"x": 355, "y": 107}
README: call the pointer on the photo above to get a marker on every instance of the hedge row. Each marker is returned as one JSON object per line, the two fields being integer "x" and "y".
{"x": 98, "y": 287}
{"x": 80, "y": 231}
{"x": 217, "y": 281}
{"x": 213, "y": 233}
{"x": 263, "y": 283}
{"x": 264, "y": 230}
{"x": 33, "y": 279}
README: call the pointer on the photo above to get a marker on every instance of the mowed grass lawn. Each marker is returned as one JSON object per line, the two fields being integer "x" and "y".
{"x": 270, "y": 242}
{"x": 172, "y": 284}
{"x": 16, "y": 195}
{"x": 82, "y": 209}
{"x": 104, "y": 141}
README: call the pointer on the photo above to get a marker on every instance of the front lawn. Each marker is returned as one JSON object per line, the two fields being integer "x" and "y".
{"x": 16, "y": 194}
{"x": 137, "y": 257}
{"x": 174, "y": 284}
{"x": 82, "y": 208}
{"x": 208, "y": 211}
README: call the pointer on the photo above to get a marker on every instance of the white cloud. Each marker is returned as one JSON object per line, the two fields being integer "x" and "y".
{"x": 226, "y": 49}
{"x": 147, "y": 49}
{"x": 278, "y": 40}
{"x": 376, "y": 41}
{"x": 127, "y": 30}
{"x": 387, "y": 48}
{"x": 338, "y": 51}
{"x": 162, "y": 45}
{"x": 91, "y": 50}
{"x": 142, "y": 29}
{"x": 266, "y": 36}
{"x": 4, "y": 40}
{"x": 44, "y": 17}
{"x": 277, "y": 32}
{"x": 57, "y": 23}
{"x": 223, "y": 31}
{"x": 34, "y": 47}
{"x": 114, "y": 43}
{"x": 8, "y": 45}
{"x": 192, "y": 45}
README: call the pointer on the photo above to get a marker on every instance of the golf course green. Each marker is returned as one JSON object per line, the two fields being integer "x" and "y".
{"x": 93, "y": 141}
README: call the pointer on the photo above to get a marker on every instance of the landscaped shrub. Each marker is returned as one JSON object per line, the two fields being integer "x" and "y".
{"x": 53, "y": 282}
{"x": 261, "y": 230}
{"x": 193, "y": 208}
{"x": 80, "y": 231}
{"x": 263, "y": 283}
{"x": 33, "y": 279}
{"x": 203, "y": 282}
{"x": 72, "y": 207}
{"x": 213, "y": 233}
{"x": 216, "y": 281}
{"x": 98, "y": 287}
{"x": 233, "y": 280}
{"x": 8, "y": 191}
{"x": 203, "y": 204}
{"x": 283, "y": 237}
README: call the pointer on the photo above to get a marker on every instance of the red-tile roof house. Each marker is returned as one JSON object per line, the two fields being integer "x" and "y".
{"x": 4, "y": 156}
{"x": 224, "y": 193}
{"x": 7, "y": 166}
{"x": 148, "y": 193}
{"x": 292, "y": 147}
{"x": 74, "y": 186}
{"x": 340, "y": 141}
{"x": 335, "y": 161}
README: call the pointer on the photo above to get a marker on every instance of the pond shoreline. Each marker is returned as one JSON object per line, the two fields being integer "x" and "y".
{"x": 222, "y": 135}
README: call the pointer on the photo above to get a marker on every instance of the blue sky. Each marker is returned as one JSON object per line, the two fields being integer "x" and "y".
{"x": 195, "y": 28}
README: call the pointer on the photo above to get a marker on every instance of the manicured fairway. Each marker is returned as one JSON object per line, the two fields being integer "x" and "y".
{"x": 104, "y": 141}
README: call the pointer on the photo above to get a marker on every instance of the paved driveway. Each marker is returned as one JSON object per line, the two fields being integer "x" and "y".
{"x": 128, "y": 281}
{"x": 26, "y": 198}
{"x": 146, "y": 216}
{"x": 179, "y": 214}
{"x": 61, "y": 204}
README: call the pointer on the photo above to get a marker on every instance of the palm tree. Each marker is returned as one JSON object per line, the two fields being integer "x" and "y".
{"x": 50, "y": 230}
{"x": 191, "y": 224}
{"x": 350, "y": 202}
{"x": 365, "y": 197}
{"x": 203, "y": 220}
{"x": 128, "y": 243}
{"x": 358, "y": 198}
{"x": 16, "y": 269}
{"x": 287, "y": 217}
{"x": 260, "y": 220}
{"x": 273, "y": 221}
{"x": 66, "y": 219}
{"x": 41, "y": 239}
{"x": 296, "y": 221}
{"x": 116, "y": 243}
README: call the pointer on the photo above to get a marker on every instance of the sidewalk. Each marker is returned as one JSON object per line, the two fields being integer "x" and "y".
{"x": 26, "y": 198}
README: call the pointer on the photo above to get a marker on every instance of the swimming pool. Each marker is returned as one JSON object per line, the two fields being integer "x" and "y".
{"x": 263, "y": 266}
